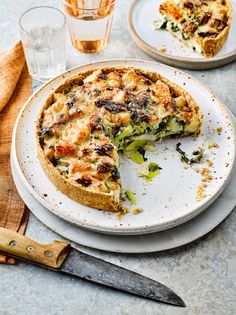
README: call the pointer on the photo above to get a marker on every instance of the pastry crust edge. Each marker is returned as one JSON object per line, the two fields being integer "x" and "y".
{"x": 211, "y": 46}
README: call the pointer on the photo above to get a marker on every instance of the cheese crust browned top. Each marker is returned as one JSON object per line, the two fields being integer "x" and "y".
{"x": 203, "y": 25}
{"x": 95, "y": 114}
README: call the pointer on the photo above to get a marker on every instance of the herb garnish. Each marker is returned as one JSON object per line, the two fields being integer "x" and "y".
{"x": 198, "y": 154}
{"x": 150, "y": 170}
{"x": 131, "y": 196}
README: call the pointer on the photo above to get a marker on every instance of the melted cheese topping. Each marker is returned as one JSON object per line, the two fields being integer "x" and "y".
{"x": 83, "y": 129}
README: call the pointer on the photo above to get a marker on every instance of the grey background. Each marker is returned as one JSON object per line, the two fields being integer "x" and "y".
{"x": 202, "y": 273}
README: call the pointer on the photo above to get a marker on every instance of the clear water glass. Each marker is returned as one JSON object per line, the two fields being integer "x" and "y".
{"x": 43, "y": 35}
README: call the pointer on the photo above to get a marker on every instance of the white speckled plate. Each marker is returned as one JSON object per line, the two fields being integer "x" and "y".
{"x": 170, "y": 199}
{"x": 142, "y": 13}
{"x": 177, "y": 236}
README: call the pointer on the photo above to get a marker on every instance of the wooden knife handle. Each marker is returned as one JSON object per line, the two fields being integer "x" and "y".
{"x": 17, "y": 245}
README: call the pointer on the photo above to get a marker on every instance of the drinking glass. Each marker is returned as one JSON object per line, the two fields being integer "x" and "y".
{"x": 89, "y": 23}
{"x": 43, "y": 36}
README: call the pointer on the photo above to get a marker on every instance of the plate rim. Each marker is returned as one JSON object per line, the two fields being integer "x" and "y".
{"x": 117, "y": 230}
{"x": 141, "y": 239}
{"x": 182, "y": 62}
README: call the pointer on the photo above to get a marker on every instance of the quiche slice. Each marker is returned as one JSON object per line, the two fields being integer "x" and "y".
{"x": 94, "y": 115}
{"x": 202, "y": 25}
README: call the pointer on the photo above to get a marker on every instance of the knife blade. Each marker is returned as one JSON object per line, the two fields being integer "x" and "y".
{"x": 63, "y": 258}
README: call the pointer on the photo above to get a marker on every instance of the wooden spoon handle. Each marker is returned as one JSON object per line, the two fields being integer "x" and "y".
{"x": 17, "y": 245}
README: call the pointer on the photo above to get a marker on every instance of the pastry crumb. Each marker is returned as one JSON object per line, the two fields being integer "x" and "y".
{"x": 118, "y": 215}
{"x": 163, "y": 49}
{"x": 213, "y": 145}
{"x": 200, "y": 193}
{"x": 209, "y": 162}
{"x": 206, "y": 177}
{"x": 219, "y": 130}
{"x": 137, "y": 210}
{"x": 122, "y": 196}
{"x": 122, "y": 213}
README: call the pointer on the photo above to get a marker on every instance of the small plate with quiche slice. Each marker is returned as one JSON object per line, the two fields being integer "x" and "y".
{"x": 145, "y": 142}
{"x": 191, "y": 34}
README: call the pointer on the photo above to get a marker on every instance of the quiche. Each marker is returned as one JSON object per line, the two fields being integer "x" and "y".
{"x": 94, "y": 115}
{"x": 202, "y": 25}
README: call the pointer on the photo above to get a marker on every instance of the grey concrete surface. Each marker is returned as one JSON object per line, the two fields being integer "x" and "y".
{"x": 202, "y": 273}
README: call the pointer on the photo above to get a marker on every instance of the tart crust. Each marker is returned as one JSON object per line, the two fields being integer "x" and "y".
{"x": 211, "y": 46}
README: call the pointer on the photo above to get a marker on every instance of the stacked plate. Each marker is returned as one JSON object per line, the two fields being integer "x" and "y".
{"x": 172, "y": 215}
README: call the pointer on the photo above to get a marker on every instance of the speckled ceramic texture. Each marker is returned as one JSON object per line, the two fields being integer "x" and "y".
{"x": 170, "y": 199}
{"x": 143, "y": 13}
{"x": 175, "y": 237}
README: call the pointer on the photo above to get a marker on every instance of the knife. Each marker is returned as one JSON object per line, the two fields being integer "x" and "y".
{"x": 63, "y": 258}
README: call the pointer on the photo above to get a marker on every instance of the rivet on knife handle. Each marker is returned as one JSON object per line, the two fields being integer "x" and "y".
{"x": 17, "y": 245}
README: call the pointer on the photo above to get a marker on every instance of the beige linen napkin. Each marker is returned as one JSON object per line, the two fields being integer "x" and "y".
{"x": 15, "y": 89}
